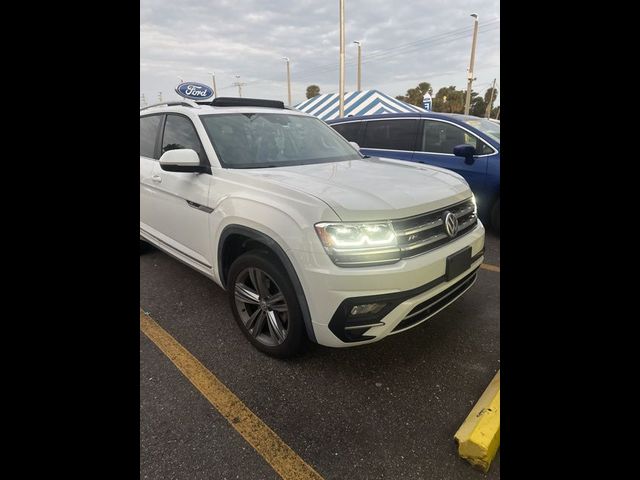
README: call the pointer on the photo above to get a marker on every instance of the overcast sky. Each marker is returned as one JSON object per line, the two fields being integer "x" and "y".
{"x": 403, "y": 43}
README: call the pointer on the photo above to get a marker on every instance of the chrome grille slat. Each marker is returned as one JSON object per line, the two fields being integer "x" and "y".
{"x": 411, "y": 231}
{"x": 464, "y": 211}
{"x": 422, "y": 233}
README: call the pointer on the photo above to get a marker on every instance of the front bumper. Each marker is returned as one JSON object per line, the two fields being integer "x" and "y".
{"x": 414, "y": 289}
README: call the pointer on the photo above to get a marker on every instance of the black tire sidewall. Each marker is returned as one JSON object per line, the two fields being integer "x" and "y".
{"x": 296, "y": 330}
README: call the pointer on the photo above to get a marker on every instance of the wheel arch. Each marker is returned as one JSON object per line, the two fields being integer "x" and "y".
{"x": 236, "y": 239}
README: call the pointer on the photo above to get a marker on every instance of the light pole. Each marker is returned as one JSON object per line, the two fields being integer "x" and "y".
{"x": 239, "y": 85}
{"x": 467, "y": 103}
{"x": 490, "y": 105}
{"x": 341, "y": 95}
{"x": 215, "y": 90}
{"x": 288, "y": 78}
{"x": 359, "y": 65}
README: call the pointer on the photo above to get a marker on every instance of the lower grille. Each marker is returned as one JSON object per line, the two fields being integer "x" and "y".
{"x": 431, "y": 306}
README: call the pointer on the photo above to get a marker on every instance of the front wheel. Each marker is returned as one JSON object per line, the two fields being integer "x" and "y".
{"x": 265, "y": 305}
{"x": 495, "y": 216}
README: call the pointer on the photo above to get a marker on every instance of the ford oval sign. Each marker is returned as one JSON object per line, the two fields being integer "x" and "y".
{"x": 194, "y": 91}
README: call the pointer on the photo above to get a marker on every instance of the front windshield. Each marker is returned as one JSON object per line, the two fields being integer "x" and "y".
{"x": 259, "y": 140}
{"x": 492, "y": 129}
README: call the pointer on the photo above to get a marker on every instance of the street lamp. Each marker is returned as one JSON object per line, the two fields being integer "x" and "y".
{"x": 471, "y": 62}
{"x": 215, "y": 90}
{"x": 341, "y": 87}
{"x": 359, "y": 64}
{"x": 286, "y": 59}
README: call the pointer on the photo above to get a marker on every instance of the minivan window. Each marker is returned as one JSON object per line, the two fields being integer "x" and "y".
{"x": 350, "y": 131}
{"x": 262, "y": 140}
{"x": 390, "y": 134}
{"x": 179, "y": 133}
{"x": 149, "y": 135}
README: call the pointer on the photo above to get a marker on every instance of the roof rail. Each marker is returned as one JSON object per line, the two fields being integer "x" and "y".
{"x": 173, "y": 103}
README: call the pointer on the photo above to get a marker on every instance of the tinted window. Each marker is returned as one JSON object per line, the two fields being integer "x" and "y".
{"x": 179, "y": 133}
{"x": 441, "y": 137}
{"x": 492, "y": 129}
{"x": 148, "y": 135}
{"x": 390, "y": 134}
{"x": 350, "y": 131}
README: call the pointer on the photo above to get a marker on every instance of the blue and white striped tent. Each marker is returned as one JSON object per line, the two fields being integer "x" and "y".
{"x": 356, "y": 104}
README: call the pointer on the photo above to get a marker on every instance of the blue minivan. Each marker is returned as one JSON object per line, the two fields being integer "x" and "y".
{"x": 470, "y": 146}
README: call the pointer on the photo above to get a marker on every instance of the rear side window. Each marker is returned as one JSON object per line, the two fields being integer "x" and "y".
{"x": 179, "y": 133}
{"x": 350, "y": 131}
{"x": 390, "y": 134}
{"x": 148, "y": 135}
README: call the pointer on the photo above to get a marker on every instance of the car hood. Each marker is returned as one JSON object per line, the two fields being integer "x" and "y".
{"x": 374, "y": 188}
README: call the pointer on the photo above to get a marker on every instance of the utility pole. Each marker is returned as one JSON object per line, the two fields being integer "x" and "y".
{"x": 288, "y": 78}
{"x": 498, "y": 114}
{"x": 473, "y": 55}
{"x": 239, "y": 85}
{"x": 490, "y": 105}
{"x": 215, "y": 90}
{"x": 359, "y": 66}
{"x": 341, "y": 94}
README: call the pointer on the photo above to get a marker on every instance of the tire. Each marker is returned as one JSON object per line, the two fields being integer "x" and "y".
{"x": 275, "y": 328}
{"x": 495, "y": 216}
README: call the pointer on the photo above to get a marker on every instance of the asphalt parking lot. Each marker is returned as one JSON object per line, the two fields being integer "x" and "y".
{"x": 385, "y": 410}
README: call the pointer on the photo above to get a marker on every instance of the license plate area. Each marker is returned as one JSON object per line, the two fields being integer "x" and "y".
{"x": 458, "y": 263}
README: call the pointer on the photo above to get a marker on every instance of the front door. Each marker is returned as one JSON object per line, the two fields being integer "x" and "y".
{"x": 182, "y": 219}
{"x": 435, "y": 147}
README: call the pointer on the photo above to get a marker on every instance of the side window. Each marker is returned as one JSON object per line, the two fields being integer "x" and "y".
{"x": 441, "y": 137}
{"x": 483, "y": 148}
{"x": 350, "y": 131}
{"x": 149, "y": 135}
{"x": 180, "y": 133}
{"x": 390, "y": 134}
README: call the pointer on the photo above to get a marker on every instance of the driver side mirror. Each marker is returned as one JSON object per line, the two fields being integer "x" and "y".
{"x": 355, "y": 145}
{"x": 466, "y": 151}
{"x": 181, "y": 160}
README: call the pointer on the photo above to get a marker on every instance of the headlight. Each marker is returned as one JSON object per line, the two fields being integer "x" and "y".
{"x": 359, "y": 244}
{"x": 475, "y": 204}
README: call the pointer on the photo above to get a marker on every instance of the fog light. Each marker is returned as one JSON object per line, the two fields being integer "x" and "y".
{"x": 367, "y": 308}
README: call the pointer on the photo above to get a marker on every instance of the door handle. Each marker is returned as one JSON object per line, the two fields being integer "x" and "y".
{"x": 157, "y": 178}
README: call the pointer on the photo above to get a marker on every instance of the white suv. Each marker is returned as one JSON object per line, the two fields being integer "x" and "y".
{"x": 310, "y": 238}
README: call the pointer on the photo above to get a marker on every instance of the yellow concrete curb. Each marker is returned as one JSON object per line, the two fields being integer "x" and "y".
{"x": 478, "y": 438}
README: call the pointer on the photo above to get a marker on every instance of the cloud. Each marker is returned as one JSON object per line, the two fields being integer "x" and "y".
{"x": 403, "y": 43}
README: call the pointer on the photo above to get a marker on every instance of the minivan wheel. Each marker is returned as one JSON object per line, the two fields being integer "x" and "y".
{"x": 495, "y": 216}
{"x": 264, "y": 305}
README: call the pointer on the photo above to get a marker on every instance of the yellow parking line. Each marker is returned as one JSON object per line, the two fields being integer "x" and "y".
{"x": 478, "y": 437}
{"x": 493, "y": 268}
{"x": 266, "y": 442}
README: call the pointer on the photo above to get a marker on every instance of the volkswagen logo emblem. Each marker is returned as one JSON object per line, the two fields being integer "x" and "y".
{"x": 451, "y": 224}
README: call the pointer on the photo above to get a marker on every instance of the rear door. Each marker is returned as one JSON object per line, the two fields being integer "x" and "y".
{"x": 150, "y": 128}
{"x": 435, "y": 146}
{"x": 390, "y": 138}
{"x": 182, "y": 215}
